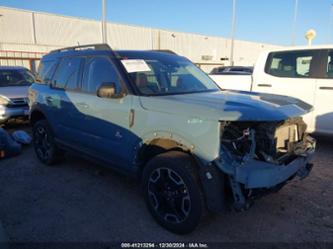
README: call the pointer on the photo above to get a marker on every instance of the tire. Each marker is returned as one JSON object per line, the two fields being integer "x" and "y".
{"x": 43, "y": 140}
{"x": 172, "y": 192}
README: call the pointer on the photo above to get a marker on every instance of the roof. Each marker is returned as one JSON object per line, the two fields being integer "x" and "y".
{"x": 101, "y": 49}
{"x": 136, "y": 52}
{"x": 61, "y": 54}
{"x": 292, "y": 48}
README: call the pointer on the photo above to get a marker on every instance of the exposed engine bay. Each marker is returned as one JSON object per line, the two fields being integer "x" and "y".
{"x": 273, "y": 142}
{"x": 260, "y": 157}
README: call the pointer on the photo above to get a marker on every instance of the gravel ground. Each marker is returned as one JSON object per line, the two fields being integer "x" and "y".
{"x": 77, "y": 201}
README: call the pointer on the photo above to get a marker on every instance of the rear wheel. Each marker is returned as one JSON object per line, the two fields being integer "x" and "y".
{"x": 172, "y": 192}
{"x": 43, "y": 141}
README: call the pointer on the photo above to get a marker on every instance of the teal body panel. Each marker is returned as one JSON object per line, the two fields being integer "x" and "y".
{"x": 104, "y": 127}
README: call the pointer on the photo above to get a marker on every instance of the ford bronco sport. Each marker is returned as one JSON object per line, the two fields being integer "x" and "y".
{"x": 156, "y": 116}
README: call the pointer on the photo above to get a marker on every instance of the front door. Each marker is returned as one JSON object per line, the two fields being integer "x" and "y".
{"x": 324, "y": 95}
{"x": 290, "y": 73}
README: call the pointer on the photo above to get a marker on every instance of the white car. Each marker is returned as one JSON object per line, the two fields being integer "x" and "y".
{"x": 305, "y": 73}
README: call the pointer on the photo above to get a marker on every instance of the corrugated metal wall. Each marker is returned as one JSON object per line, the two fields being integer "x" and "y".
{"x": 129, "y": 37}
{"x": 65, "y": 31}
{"x": 16, "y": 26}
{"x": 32, "y": 31}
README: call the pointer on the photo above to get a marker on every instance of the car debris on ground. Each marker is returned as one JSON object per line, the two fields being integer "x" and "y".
{"x": 11, "y": 144}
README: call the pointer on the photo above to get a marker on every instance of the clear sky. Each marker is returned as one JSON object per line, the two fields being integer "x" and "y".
{"x": 268, "y": 21}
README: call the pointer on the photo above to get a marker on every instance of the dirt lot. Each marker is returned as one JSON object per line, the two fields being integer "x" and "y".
{"x": 81, "y": 202}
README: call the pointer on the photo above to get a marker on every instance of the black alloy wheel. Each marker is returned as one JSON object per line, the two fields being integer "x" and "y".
{"x": 168, "y": 195}
{"x": 43, "y": 141}
{"x": 172, "y": 191}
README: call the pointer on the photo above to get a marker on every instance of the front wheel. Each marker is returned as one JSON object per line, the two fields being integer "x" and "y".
{"x": 43, "y": 141}
{"x": 172, "y": 192}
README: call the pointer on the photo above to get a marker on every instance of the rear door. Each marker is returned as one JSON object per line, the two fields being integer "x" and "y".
{"x": 45, "y": 73}
{"x": 290, "y": 73}
{"x": 324, "y": 94}
{"x": 64, "y": 86}
{"x": 102, "y": 124}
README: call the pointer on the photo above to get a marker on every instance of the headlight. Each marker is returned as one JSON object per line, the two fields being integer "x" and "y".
{"x": 4, "y": 100}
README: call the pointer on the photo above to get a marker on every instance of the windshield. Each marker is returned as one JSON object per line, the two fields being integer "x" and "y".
{"x": 164, "y": 74}
{"x": 12, "y": 77}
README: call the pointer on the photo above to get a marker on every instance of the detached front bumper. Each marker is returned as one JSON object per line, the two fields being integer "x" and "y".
{"x": 253, "y": 173}
{"x": 252, "y": 178}
{"x": 256, "y": 174}
{"x": 7, "y": 113}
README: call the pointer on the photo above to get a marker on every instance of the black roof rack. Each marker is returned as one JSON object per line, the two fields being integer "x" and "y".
{"x": 100, "y": 46}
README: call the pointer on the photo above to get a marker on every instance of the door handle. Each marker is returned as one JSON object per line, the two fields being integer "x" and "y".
{"x": 264, "y": 85}
{"x": 49, "y": 99}
{"x": 326, "y": 88}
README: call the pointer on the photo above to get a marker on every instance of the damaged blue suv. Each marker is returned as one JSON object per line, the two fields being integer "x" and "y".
{"x": 154, "y": 115}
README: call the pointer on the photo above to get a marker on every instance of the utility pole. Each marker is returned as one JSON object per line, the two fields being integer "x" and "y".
{"x": 329, "y": 31}
{"x": 293, "y": 35}
{"x": 233, "y": 28}
{"x": 104, "y": 23}
{"x": 1, "y": 30}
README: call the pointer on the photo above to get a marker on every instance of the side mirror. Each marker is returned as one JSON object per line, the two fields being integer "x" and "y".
{"x": 108, "y": 90}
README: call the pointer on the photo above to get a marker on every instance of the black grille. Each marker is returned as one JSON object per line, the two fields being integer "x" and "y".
{"x": 17, "y": 102}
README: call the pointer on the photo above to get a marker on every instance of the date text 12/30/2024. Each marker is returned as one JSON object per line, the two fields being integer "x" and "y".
{"x": 164, "y": 245}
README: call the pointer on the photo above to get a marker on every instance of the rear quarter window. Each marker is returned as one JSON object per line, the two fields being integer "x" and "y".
{"x": 45, "y": 71}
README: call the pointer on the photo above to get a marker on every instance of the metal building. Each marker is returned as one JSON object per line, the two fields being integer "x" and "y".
{"x": 26, "y": 35}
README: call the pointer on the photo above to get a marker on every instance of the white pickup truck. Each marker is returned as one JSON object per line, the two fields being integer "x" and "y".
{"x": 305, "y": 73}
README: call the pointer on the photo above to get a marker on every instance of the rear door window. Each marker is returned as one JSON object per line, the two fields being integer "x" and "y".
{"x": 291, "y": 64}
{"x": 67, "y": 73}
{"x": 329, "y": 65}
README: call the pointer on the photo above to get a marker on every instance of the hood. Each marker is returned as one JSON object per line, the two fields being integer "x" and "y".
{"x": 229, "y": 106}
{"x": 13, "y": 92}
